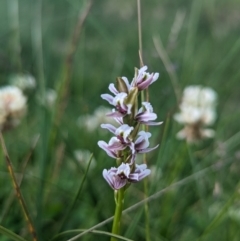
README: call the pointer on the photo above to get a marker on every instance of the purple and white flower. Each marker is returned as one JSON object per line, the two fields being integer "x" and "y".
{"x": 119, "y": 177}
{"x": 115, "y": 144}
{"x": 122, "y": 133}
{"x": 142, "y": 142}
{"x": 141, "y": 145}
{"x": 142, "y": 79}
{"x": 119, "y": 102}
{"x": 119, "y": 142}
{"x": 114, "y": 180}
{"x": 112, "y": 148}
{"x": 146, "y": 115}
{"x": 139, "y": 173}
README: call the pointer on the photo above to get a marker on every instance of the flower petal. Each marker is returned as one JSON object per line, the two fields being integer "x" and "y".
{"x": 108, "y": 98}
{"x": 105, "y": 147}
{"x": 112, "y": 88}
{"x": 148, "y": 149}
{"x": 114, "y": 180}
{"x": 109, "y": 127}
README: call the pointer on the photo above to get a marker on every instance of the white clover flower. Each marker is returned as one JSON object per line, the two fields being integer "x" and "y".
{"x": 194, "y": 133}
{"x": 197, "y": 109}
{"x": 23, "y": 81}
{"x": 188, "y": 115}
{"x": 199, "y": 96}
{"x": 191, "y": 95}
{"x": 208, "y": 116}
{"x": 12, "y": 99}
{"x": 208, "y": 97}
{"x": 12, "y": 106}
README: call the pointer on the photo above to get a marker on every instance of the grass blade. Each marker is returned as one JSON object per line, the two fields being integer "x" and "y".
{"x": 11, "y": 234}
{"x": 71, "y": 207}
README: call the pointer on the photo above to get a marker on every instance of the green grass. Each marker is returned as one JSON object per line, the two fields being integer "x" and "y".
{"x": 206, "y": 52}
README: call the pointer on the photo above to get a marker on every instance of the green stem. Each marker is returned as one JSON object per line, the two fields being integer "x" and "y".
{"x": 119, "y": 199}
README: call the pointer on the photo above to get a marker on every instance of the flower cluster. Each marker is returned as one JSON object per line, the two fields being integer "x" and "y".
{"x": 197, "y": 110}
{"x": 12, "y": 106}
{"x": 128, "y": 139}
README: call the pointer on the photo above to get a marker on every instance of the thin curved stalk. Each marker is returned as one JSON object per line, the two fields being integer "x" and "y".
{"x": 71, "y": 207}
{"x": 18, "y": 191}
{"x": 93, "y": 231}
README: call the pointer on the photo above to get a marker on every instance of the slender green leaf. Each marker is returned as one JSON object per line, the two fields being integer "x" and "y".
{"x": 8, "y": 233}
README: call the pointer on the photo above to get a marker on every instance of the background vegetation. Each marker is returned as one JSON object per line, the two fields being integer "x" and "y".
{"x": 204, "y": 51}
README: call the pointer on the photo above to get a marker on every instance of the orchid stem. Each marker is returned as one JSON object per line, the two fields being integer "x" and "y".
{"x": 119, "y": 199}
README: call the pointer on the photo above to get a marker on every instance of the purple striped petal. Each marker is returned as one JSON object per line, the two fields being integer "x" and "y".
{"x": 108, "y": 98}
{"x": 145, "y": 117}
{"x": 104, "y": 146}
{"x": 149, "y": 123}
{"x": 109, "y": 127}
{"x": 116, "y": 144}
{"x": 114, "y": 180}
{"x": 147, "y": 149}
{"x": 140, "y": 172}
{"x": 112, "y": 88}
{"x": 116, "y": 114}
{"x": 142, "y": 79}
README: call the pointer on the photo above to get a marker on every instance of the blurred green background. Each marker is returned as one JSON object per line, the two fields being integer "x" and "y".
{"x": 201, "y": 38}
